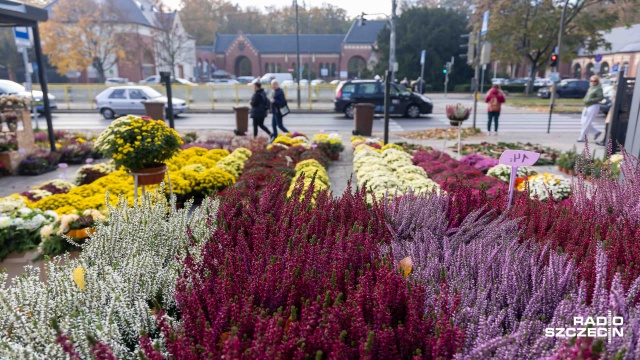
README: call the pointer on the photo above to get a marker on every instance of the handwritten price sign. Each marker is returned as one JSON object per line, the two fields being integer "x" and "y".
{"x": 515, "y": 159}
{"x": 519, "y": 158}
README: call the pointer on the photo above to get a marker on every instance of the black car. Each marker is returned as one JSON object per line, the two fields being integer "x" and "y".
{"x": 569, "y": 88}
{"x": 403, "y": 102}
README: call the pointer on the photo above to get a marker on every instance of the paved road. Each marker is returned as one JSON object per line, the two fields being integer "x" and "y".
{"x": 509, "y": 122}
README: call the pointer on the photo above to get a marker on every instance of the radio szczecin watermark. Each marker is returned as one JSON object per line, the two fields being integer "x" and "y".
{"x": 594, "y": 327}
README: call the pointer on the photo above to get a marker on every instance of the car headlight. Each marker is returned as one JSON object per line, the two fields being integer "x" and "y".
{"x": 425, "y": 99}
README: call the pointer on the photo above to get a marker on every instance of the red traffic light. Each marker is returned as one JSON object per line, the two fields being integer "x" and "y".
{"x": 554, "y": 57}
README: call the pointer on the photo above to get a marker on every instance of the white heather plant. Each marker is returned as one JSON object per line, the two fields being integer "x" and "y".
{"x": 129, "y": 265}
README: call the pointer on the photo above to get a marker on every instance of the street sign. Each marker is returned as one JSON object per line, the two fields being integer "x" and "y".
{"x": 485, "y": 22}
{"x": 615, "y": 68}
{"x": 423, "y": 56}
{"x": 598, "y": 58}
{"x": 555, "y": 76}
{"x": 395, "y": 66}
{"x": 596, "y": 67}
{"x": 324, "y": 72}
{"x": 22, "y": 36}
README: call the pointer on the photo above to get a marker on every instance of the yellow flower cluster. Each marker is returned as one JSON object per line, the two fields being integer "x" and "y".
{"x": 195, "y": 171}
{"x": 234, "y": 163}
{"x": 392, "y": 146}
{"x": 359, "y": 140}
{"x": 135, "y": 142}
{"x": 310, "y": 169}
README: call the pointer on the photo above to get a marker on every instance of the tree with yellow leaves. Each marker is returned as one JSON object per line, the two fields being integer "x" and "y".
{"x": 83, "y": 33}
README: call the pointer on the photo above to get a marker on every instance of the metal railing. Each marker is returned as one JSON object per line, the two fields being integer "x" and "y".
{"x": 201, "y": 97}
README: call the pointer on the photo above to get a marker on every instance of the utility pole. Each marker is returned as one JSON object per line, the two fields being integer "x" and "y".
{"x": 554, "y": 88}
{"x": 298, "y": 65}
{"x": 387, "y": 101}
{"x": 27, "y": 74}
{"x": 476, "y": 76}
{"x": 392, "y": 40}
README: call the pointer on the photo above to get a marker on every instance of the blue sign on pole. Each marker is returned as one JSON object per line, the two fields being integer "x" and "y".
{"x": 598, "y": 58}
{"x": 615, "y": 68}
{"x": 423, "y": 56}
{"x": 485, "y": 23}
{"x": 22, "y": 36}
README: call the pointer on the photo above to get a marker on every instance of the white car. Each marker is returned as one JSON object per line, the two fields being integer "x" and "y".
{"x": 317, "y": 82}
{"x": 498, "y": 81}
{"x": 8, "y": 87}
{"x": 155, "y": 79}
{"x": 542, "y": 82}
{"x": 125, "y": 100}
{"x": 223, "y": 82}
{"x": 335, "y": 82}
{"x": 117, "y": 81}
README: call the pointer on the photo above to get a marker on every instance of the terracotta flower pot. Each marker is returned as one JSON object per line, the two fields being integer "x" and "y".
{"x": 80, "y": 233}
{"x": 455, "y": 122}
{"x": 150, "y": 176}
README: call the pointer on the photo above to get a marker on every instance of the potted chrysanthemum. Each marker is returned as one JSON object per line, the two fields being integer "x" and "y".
{"x": 141, "y": 145}
{"x": 457, "y": 114}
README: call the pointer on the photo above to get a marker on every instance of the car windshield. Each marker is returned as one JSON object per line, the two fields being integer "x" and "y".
{"x": 151, "y": 92}
{"x": 11, "y": 87}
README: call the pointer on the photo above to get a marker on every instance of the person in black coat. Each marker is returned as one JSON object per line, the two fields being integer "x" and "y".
{"x": 259, "y": 109}
{"x": 277, "y": 101}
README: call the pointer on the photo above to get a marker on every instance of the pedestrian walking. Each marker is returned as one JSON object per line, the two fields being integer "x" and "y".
{"x": 494, "y": 98}
{"x": 607, "y": 120}
{"x": 405, "y": 82}
{"x": 259, "y": 109}
{"x": 279, "y": 109}
{"x": 591, "y": 108}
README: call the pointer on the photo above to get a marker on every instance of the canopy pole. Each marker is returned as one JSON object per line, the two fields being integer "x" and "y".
{"x": 42, "y": 76}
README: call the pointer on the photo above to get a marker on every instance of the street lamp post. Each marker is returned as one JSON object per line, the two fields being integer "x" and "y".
{"x": 554, "y": 88}
{"x": 390, "y": 74}
{"x": 298, "y": 64}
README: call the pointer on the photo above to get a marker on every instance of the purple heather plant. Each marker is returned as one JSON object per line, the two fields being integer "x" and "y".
{"x": 508, "y": 290}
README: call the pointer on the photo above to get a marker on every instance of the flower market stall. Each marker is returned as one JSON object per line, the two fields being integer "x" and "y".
{"x": 423, "y": 260}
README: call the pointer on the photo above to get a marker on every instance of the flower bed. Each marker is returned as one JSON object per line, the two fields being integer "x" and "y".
{"x": 451, "y": 274}
{"x": 548, "y": 156}
{"x": 448, "y": 172}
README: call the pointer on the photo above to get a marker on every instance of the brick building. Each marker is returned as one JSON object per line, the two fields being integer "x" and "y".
{"x": 138, "y": 24}
{"x": 624, "y": 52}
{"x": 331, "y": 56}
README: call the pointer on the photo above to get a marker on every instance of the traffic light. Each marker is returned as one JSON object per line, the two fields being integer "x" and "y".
{"x": 470, "y": 46}
{"x": 554, "y": 60}
{"x": 447, "y": 68}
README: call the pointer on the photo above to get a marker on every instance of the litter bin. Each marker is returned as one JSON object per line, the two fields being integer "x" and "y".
{"x": 154, "y": 109}
{"x": 363, "y": 119}
{"x": 242, "y": 120}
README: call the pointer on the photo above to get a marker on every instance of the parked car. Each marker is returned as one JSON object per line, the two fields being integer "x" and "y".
{"x": 499, "y": 81}
{"x": 281, "y": 77}
{"x": 116, "y": 81}
{"x": 542, "y": 82}
{"x": 403, "y": 102}
{"x": 335, "y": 82}
{"x": 8, "y": 87}
{"x": 155, "y": 79}
{"x": 245, "y": 79}
{"x": 522, "y": 81}
{"x": 223, "y": 81}
{"x": 569, "y": 88}
{"x": 317, "y": 82}
{"x": 125, "y": 100}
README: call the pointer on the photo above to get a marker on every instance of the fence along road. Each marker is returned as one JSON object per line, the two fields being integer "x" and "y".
{"x": 200, "y": 97}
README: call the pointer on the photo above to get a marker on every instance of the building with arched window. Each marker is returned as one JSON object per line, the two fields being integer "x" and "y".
{"x": 325, "y": 56}
{"x": 624, "y": 55}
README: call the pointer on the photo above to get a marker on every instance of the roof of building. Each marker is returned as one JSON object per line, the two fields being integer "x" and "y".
{"x": 322, "y": 43}
{"x": 622, "y": 39}
{"x": 283, "y": 44}
{"x": 139, "y": 12}
{"x": 366, "y": 34}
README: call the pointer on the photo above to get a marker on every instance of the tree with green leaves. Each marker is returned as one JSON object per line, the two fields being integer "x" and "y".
{"x": 528, "y": 29}
{"x": 435, "y": 30}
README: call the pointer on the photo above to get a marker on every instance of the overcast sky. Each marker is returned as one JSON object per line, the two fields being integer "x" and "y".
{"x": 353, "y": 7}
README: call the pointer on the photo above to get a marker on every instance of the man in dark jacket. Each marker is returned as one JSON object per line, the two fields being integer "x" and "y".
{"x": 259, "y": 109}
{"x": 277, "y": 101}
